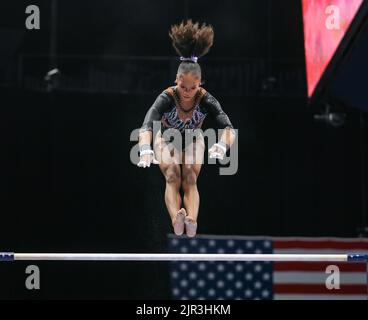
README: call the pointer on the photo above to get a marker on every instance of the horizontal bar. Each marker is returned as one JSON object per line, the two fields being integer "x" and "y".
{"x": 8, "y": 256}
{"x": 355, "y": 257}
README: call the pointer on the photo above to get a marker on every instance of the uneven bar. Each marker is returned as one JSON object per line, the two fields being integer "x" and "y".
{"x": 9, "y": 256}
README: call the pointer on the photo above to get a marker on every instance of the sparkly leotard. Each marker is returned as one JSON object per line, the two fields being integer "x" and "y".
{"x": 165, "y": 109}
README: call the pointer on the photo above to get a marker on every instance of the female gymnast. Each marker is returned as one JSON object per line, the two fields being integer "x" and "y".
{"x": 183, "y": 107}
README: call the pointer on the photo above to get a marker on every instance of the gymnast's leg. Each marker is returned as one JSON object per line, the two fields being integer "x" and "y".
{"x": 192, "y": 163}
{"x": 169, "y": 165}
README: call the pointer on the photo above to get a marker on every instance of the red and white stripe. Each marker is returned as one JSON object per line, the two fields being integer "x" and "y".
{"x": 306, "y": 280}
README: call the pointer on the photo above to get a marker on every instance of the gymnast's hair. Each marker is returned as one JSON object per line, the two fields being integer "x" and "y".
{"x": 191, "y": 41}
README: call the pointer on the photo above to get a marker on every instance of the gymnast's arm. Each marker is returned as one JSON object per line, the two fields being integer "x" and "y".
{"x": 223, "y": 122}
{"x": 161, "y": 104}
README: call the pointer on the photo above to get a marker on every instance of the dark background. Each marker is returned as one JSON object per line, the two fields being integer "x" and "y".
{"x": 67, "y": 183}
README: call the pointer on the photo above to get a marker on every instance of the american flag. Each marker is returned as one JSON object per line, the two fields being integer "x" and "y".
{"x": 233, "y": 280}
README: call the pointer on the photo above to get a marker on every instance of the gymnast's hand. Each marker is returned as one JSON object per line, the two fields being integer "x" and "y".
{"x": 217, "y": 151}
{"x": 147, "y": 156}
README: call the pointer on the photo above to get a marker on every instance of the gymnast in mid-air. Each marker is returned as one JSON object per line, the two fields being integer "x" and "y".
{"x": 182, "y": 108}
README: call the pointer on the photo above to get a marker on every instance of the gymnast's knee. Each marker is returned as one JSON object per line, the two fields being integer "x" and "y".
{"x": 189, "y": 179}
{"x": 172, "y": 176}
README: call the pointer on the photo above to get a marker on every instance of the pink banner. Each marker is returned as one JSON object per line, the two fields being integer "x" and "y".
{"x": 325, "y": 24}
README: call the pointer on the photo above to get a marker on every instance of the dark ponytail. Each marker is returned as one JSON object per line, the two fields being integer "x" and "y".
{"x": 191, "y": 41}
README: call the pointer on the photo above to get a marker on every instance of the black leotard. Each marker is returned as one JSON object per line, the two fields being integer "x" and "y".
{"x": 165, "y": 110}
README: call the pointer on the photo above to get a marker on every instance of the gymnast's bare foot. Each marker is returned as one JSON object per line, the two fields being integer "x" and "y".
{"x": 190, "y": 227}
{"x": 178, "y": 222}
